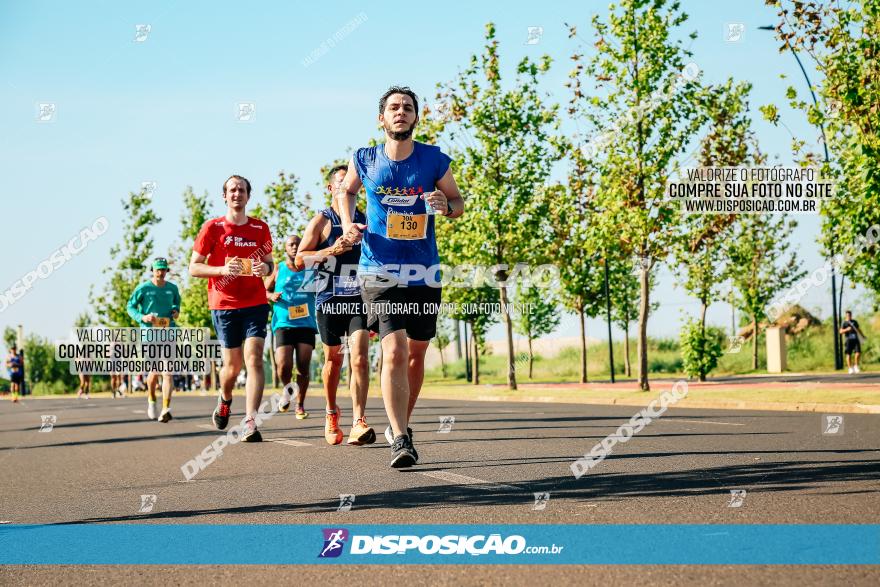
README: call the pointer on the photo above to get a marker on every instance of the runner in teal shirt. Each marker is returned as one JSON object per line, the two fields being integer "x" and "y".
{"x": 292, "y": 295}
{"x": 152, "y": 304}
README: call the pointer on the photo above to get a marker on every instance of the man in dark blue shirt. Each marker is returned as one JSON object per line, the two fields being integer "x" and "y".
{"x": 853, "y": 349}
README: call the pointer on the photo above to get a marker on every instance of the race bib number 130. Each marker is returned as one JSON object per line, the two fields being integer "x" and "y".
{"x": 407, "y": 226}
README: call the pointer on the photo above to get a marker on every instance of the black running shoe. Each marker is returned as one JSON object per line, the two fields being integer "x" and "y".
{"x": 411, "y": 447}
{"x": 401, "y": 452}
{"x": 250, "y": 433}
{"x": 221, "y": 415}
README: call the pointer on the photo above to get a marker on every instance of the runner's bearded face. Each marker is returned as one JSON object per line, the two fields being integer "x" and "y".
{"x": 399, "y": 117}
{"x": 236, "y": 194}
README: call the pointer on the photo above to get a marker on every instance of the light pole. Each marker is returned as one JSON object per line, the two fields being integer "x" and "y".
{"x": 835, "y": 318}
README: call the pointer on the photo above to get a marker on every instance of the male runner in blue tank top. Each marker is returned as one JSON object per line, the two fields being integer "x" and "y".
{"x": 407, "y": 185}
{"x": 340, "y": 313}
{"x": 293, "y": 325}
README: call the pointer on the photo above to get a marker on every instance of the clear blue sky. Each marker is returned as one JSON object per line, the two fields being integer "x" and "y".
{"x": 163, "y": 110}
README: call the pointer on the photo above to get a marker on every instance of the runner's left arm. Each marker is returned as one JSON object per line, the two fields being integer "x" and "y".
{"x": 448, "y": 190}
{"x": 175, "y": 304}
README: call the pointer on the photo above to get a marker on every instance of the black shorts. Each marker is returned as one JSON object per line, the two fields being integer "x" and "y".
{"x": 853, "y": 345}
{"x": 340, "y": 316}
{"x": 294, "y": 336}
{"x": 16, "y": 378}
{"x": 234, "y": 326}
{"x": 413, "y": 308}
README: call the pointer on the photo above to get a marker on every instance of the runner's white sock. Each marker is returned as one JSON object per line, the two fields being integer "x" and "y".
{"x": 288, "y": 391}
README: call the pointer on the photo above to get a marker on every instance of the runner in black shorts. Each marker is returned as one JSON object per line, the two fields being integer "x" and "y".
{"x": 408, "y": 184}
{"x": 341, "y": 320}
{"x": 15, "y": 366}
{"x": 851, "y": 331}
{"x": 293, "y": 325}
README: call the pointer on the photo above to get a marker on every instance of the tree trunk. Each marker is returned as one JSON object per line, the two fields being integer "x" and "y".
{"x": 475, "y": 351}
{"x": 583, "y": 340}
{"x": 442, "y": 364}
{"x": 508, "y": 325}
{"x": 626, "y": 362}
{"x": 644, "y": 306}
{"x": 457, "y": 340}
{"x": 702, "y": 338}
{"x": 531, "y": 357}
{"x": 468, "y": 365}
{"x": 754, "y": 341}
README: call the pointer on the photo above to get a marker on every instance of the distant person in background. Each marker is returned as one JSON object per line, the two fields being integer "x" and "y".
{"x": 853, "y": 349}
{"x": 85, "y": 385}
{"x": 15, "y": 366}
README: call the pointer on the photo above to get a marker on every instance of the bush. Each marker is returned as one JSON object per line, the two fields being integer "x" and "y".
{"x": 672, "y": 365}
{"x": 50, "y": 388}
{"x": 700, "y": 349}
{"x": 664, "y": 344}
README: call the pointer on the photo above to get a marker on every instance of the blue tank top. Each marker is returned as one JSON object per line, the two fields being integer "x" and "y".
{"x": 338, "y": 277}
{"x": 399, "y": 232}
{"x": 15, "y": 365}
{"x": 294, "y": 295}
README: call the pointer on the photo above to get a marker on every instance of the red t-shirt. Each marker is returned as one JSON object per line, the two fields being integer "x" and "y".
{"x": 219, "y": 239}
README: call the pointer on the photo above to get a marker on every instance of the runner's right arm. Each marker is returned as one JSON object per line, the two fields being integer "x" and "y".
{"x": 306, "y": 255}
{"x": 272, "y": 296}
{"x": 134, "y": 306}
{"x": 198, "y": 267}
{"x": 351, "y": 185}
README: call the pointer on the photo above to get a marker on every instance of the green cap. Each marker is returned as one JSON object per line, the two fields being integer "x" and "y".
{"x": 160, "y": 263}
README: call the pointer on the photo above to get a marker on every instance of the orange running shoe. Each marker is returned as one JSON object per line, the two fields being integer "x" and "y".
{"x": 361, "y": 433}
{"x": 332, "y": 432}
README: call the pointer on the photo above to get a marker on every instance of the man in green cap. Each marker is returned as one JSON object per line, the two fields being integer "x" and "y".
{"x": 156, "y": 304}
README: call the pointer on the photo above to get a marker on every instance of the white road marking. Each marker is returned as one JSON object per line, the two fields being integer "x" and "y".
{"x": 287, "y": 441}
{"x": 138, "y": 411}
{"x": 206, "y": 427}
{"x": 464, "y": 479}
{"x": 689, "y": 421}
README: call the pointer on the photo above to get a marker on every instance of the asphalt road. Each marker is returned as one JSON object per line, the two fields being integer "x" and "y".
{"x": 102, "y": 455}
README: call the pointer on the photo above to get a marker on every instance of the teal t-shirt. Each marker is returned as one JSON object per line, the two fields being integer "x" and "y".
{"x": 293, "y": 295}
{"x": 148, "y": 298}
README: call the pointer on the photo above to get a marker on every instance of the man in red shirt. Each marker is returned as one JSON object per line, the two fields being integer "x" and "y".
{"x": 234, "y": 252}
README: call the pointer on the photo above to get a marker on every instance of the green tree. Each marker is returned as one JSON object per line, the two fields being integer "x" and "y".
{"x": 507, "y": 158}
{"x": 465, "y": 302}
{"x": 129, "y": 260}
{"x": 538, "y": 315}
{"x": 441, "y": 340}
{"x": 700, "y": 249}
{"x": 639, "y": 100}
{"x": 194, "y": 311}
{"x": 759, "y": 265}
{"x": 43, "y": 372}
{"x": 843, "y": 42}
{"x": 285, "y": 211}
{"x": 700, "y": 348}
{"x": 9, "y": 337}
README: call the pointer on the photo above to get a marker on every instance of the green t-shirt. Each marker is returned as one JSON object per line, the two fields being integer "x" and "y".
{"x": 149, "y": 298}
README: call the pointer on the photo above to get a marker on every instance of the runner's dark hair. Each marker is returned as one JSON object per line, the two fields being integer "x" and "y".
{"x": 333, "y": 171}
{"x": 405, "y": 90}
